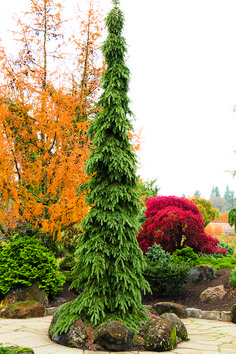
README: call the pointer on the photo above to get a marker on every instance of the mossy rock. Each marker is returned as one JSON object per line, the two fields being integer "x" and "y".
{"x": 159, "y": 335}
{"x": 23, "y": 309}
{"x": 233, "y": 314}
{"x": 168, "y": 307}
{"x": 181, "y": 331}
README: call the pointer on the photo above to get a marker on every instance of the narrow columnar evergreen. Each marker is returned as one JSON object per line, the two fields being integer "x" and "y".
{"x": 110, "y": 263}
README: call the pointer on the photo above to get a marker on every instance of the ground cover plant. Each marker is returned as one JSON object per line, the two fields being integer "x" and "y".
{"x": 110, "y": 264}
{"x": 175, "y": 223}
{"x": 15, "y": 350}
{"x": 219, "y": 262}
{"x": 24, "y": 262}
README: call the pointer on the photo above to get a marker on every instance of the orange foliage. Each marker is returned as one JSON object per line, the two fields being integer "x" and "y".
{"x": 209, "y": 230}
{"x": 214, "y": 230}
{"x": 43, "y": 122}
{"x": 223, "y": 218}
{"x": 136, "y": 139}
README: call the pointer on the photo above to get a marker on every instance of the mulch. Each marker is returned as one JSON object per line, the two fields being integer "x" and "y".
{"x": 190, "y": 296}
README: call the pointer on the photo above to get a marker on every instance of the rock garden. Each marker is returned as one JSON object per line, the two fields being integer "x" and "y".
{"x": 128, "y": 269}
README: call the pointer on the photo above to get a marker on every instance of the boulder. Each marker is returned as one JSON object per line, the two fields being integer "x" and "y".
{"x": 213, "y": 294}
{"x": 24, "y": 309}
{"x": 114, "y": 337}
{"x": 75, "y": 336}
{"x": 201, "y": 273}
{"x": 161, "y": 307}
{"x": 233, "y": 314}
{"x": 30, "y": 293}
{"x": 159, "y": 335}
{"x": 181, "y": 331}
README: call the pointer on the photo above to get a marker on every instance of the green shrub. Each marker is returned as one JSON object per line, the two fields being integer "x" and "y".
{"x": 14, "y": 350}
{"x": 232, "y": 279}
{"x": 166, "y": 278}
{"x": 227, "y": 247}
{"x": 219, "y": 263}
{"x": 67, "y": 263}
{"x": 186, "y": 255}
{"x": 24, "y": 262}
{"x": 70, "y": 277}
{"x": 156, "y": 253}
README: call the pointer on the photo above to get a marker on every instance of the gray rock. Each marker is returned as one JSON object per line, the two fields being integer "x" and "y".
{"x": 162, "y": 307}
{"x": 159, "y": 335}
{"x": 75, "y": 336}
{"x": 114, "y": 337}
{"x": 181, "y": 331}
{"x": 201, "y": 273}
{"x": 213, "y": 294}
{"x": 30, "y": 293}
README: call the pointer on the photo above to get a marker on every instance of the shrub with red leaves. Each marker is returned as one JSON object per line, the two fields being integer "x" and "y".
{"x": 175, "y": 223}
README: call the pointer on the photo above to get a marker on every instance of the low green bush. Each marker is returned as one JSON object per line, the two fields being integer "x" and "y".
{"x": 24, "y": 262}
{"x": 219, "y": 263}
{"x": 14, "y": 350}
{"x": 69, "y": 275}
{"x": 166, "y": 278}
{"x": 156, "y": 253}
{"x": 186, "y": 255}
{"x": 227, "y": 247}
{"x": 67, "y": 263}
{"x": 232, "y": 279}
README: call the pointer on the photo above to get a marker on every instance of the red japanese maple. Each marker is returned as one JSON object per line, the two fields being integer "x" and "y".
{"x": 175, "y": 223}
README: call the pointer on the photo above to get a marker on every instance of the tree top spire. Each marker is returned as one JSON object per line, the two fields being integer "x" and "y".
{"x": 116, "y": 2}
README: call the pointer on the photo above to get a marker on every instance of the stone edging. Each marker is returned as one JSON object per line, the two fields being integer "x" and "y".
{"x": 190, "y": 312}
{"x": 209, "y": 315}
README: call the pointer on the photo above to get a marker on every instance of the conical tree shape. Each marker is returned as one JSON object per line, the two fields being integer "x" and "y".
{"x": 110, "y": 263}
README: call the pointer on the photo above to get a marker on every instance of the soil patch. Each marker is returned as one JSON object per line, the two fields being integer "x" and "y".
{"x": 190, "y": 296}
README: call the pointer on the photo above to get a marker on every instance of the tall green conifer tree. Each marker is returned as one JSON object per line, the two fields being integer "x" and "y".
{"x": 110, "y": 263}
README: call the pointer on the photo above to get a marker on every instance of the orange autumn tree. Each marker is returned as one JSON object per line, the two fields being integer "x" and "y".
{"x": 43, "y": 120}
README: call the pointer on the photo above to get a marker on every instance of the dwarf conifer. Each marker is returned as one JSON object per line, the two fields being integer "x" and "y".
{"x": 110, "y": 263}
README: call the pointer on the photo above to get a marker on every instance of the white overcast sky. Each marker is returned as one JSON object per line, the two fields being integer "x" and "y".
{"x": 182, "y": 57}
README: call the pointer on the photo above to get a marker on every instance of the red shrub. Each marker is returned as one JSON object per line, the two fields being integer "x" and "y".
{"x": 175, "y": 223}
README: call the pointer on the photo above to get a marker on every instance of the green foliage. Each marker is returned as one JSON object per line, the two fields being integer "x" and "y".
{"x": 208, "y": 213}
{"x": 67, "y": 263}
{"x": 227, "y": 247}
{"x": 232, "y": 279}
{"x": 232, "y": 217}
{"x": 15, "y": 350}
{"x": 186, "y": 255}
{"x": 26, "y": 229}
{"x": 70, "y": 277}
{"x": 110, "y": 264}
{"x": 24, "y": 262}
{"x": 166, "y": 278}
{"x": 156, "y": 253}
{"x": 147, "y": 189}
{"x": 219, "y": 263}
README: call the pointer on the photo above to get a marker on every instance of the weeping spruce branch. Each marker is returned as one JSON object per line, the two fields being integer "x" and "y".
{"x": 110, "y": 263}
